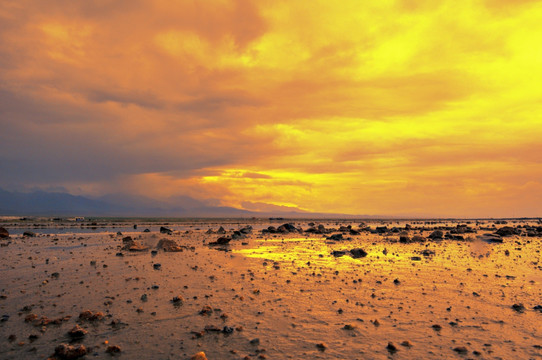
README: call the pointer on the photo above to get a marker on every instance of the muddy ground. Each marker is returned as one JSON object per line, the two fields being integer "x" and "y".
{"x": 272, "y": 296}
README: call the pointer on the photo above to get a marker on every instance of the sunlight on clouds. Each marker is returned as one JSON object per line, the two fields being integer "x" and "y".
{"x": 388, "y": 107}
{"x": 66, "y": 42}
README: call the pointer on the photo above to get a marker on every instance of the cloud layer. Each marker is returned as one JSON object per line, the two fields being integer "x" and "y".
{"x": 392, "y": 107}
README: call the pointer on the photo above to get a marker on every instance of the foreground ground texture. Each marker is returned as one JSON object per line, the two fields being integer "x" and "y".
{"x": 341, "y": 290}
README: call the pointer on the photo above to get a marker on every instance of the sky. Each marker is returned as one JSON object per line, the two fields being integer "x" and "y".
{"x": 408, "y": 108}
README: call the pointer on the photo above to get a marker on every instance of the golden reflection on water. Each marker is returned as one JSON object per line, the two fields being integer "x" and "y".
{"x": 318, "y": 252}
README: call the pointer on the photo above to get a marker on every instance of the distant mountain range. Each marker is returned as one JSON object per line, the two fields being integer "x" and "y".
{"x": 41, "y": 203}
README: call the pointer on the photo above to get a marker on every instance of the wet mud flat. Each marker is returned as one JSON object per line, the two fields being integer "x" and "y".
{"x": 272, "y": 295}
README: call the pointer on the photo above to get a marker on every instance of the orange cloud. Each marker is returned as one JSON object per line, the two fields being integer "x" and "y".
{"x": 392, "y": 107}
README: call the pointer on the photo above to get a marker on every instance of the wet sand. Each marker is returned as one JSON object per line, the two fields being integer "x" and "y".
{"x": 273, "y": 296}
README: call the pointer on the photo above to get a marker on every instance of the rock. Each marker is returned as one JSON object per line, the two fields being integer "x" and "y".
{"x": 507, "y": 231}
{"x": 177, "y": 300}
{"x": 127, "y": 239}
{"x": 246, "y": 230}
{"x": 404, "y": 239}
{"x": 286, "y": 228}
{"x": 168, "y": 245}
{"x": 338, "y": 253}
{"x": 206, "y": 310}
{"x": 391, "y": 348}
{"x": 461, "y": 350}
{"x": 146, "y": 231}
{"x": 416, "y": 258}
{"x": 134, "y": 246}
{"x": 538, "y": 308}
{"x": 381, "y": 229}
{"x": 335, "y": 237}
{"x": 77, "y": 332}
{"x": 349, "y": 327}
{"x": 417, "y": 238}
{"x": 69, "y": 352}
{"x": 227, "y": 330}
{"x": 113, "y": 349}
{"x": 406, "y": 343}
{"x": 165, "y": 230}
{"x": 435, "y": 235}
{"x": 321, "y": 346}
{"x": 88, "y": 315}
{"x": 491, "y": 238}
{"x": 29, "y": 234}
{"x": 255, "y": 341}
{"x": 518, "y": 307}
{"x": 223, "y": 240}
{"x": 4, "y": 234}
{"x": 221, "y": 230}
{"x": 428, "y": 252}
{"x": 157, "y": 266}
{"x": 199, "y": 356}
{"x": 358, "y": 253}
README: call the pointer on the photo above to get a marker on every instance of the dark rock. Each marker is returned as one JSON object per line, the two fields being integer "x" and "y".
{"x": 157, "y": 266}
{"x": 391, "y": 348}
{"x": 437, "y": 234}
{"x": 4, "y": 234}
{"x": 206, "y": 310}
{"x": 538, "y": 308}
{"x": 223, "y": 240}
{"x": 461, "y": 350}
{"x": 338, "y": 253}
{"x": 286, "y": 228}
{"x": 165, "y": 230}
{"x": 146, "y": 231}
{"x": 246, "y": 230}
{"x": 113, "y": 349}
{"x": 491, "y": 238}
{"x": 227, "y": 330}
{"x": 221, "y": 230}
{"x": 428, "y": 252}
{"x": 336, "y": 237}
{"x": 321, "y": 346}
{"x": 69, "y": 352}
{"x": 358, "y": 253}
{"x": 177, "y": 300}
{"x": 416, "y": 258}
{"x": 29, "y": 234}
{"x": 518, "y": 307}
{"x": 77, "y": 332}
{"x": 507, "y": 231}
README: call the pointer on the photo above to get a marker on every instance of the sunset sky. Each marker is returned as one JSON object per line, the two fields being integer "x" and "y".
{"x": 412, "y": 108}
